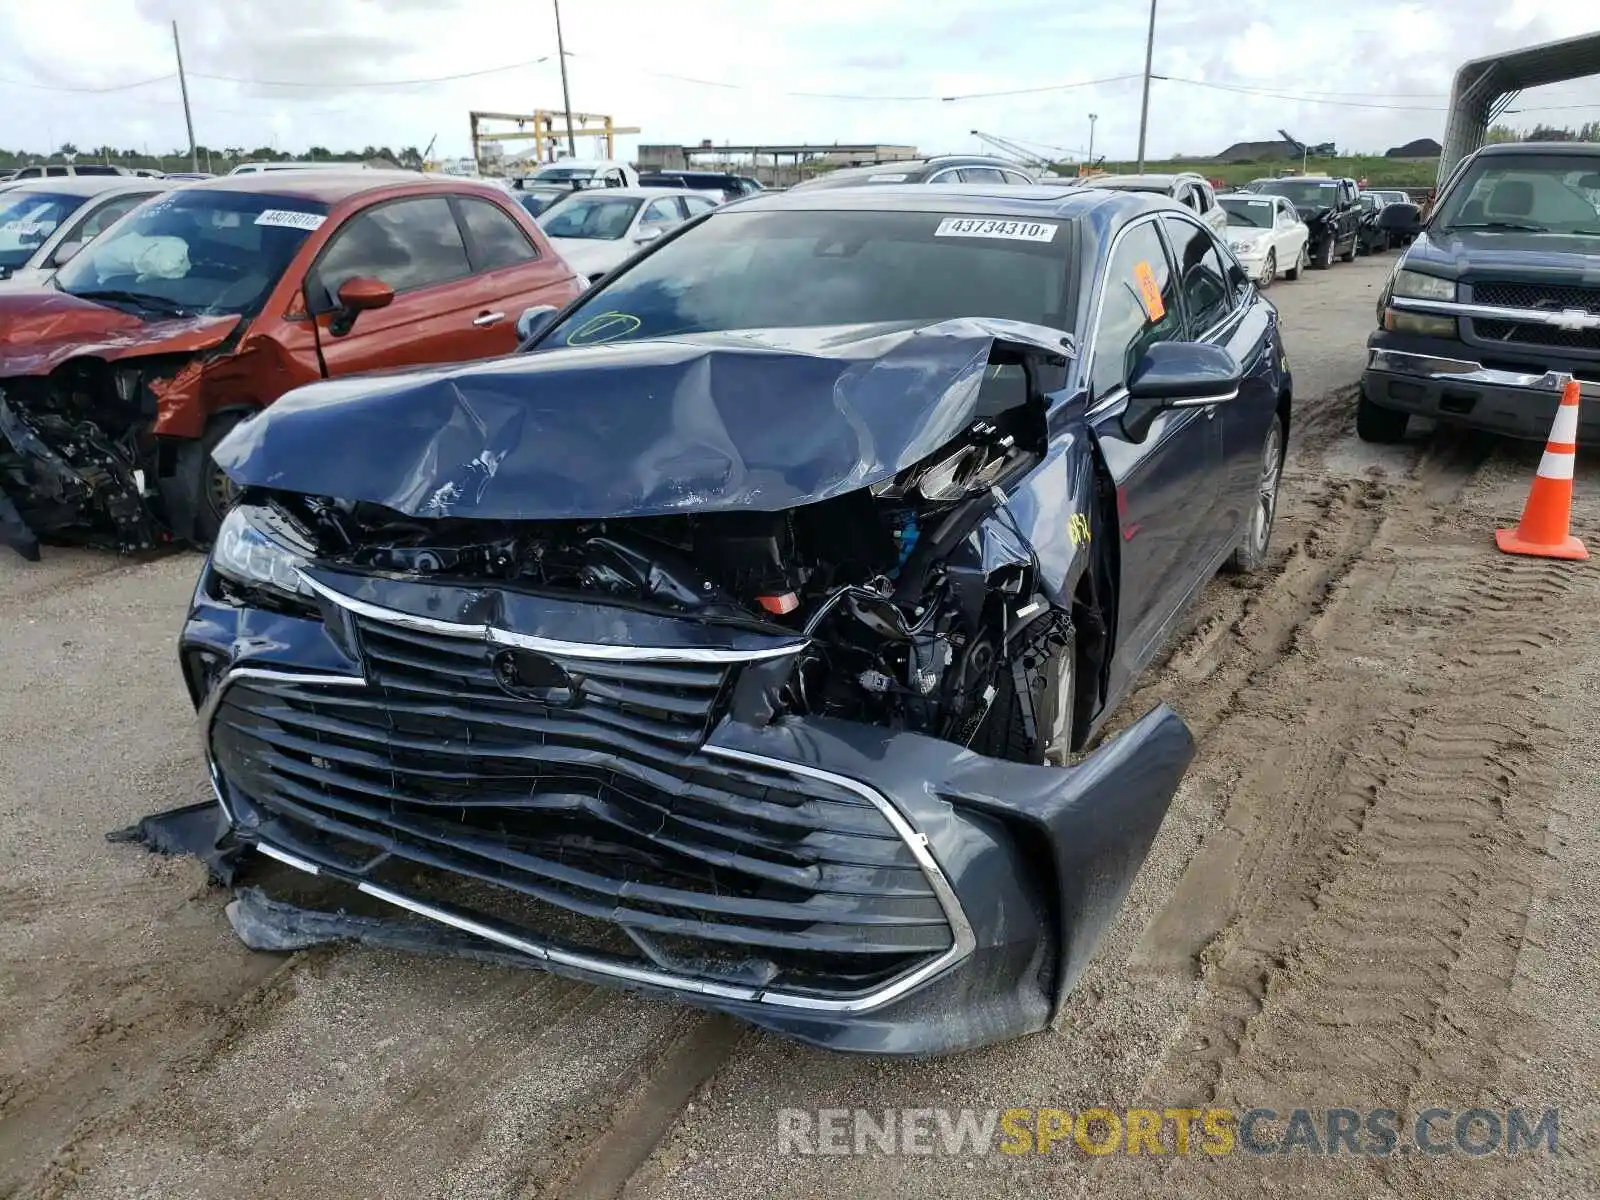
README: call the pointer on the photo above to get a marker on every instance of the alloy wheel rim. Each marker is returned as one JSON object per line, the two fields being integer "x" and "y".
{"x": 1267, "y": 490}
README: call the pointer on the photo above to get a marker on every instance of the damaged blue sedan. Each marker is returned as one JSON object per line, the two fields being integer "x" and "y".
{"x": 748, "y": 637}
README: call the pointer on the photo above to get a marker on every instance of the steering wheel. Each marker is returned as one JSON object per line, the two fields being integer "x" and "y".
{"x": 216, "y": 268}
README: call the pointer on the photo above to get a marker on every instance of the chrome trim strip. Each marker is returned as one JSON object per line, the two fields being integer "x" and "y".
{"x": 1462, "y": 370}
{"x": 289, "y": 860}
{"x": 1573, "y": 319}
{"x": 593, "y": 651}
{"x": 962, "y": 944}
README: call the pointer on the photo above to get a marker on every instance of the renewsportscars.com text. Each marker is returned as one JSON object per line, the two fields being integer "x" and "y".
{"x": 1376, "y": 1132}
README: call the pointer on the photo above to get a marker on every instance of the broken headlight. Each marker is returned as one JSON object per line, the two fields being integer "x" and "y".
{"x": 255, "y": 549}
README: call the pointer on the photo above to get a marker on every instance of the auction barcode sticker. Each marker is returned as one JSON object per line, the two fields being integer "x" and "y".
{"x": 983, "y": 227}
{"x": 287, "y": 219}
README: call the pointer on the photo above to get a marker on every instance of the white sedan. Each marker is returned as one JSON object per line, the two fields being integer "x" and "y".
{"x": 1266, "y": 236}
{"x": 597, "y": 229}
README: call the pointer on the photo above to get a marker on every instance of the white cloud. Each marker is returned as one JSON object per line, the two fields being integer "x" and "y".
{"x": 764, "y": 50}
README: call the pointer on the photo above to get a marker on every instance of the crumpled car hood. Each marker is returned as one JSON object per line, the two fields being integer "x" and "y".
{"x": 39, "y": 330}
{"x": 756, "y": 419}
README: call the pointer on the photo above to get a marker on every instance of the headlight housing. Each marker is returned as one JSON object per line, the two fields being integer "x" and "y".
{"x": 1244, "y": 246}
{"x": 257, "y": 549}
{"x": 1414, "y": 285}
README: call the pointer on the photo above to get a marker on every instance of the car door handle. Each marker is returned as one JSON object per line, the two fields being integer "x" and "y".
{"x": 488, "y": 318}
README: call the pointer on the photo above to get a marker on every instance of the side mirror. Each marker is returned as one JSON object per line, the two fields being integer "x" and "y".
{"x": 364, "y": 292}
{"x": 1402, "y": 219}
{"x": 1178, "y": 375}
{"x": 647, "y": 234}
{"x": 534, "y": 321}
{"x": 356, "y": 296}
{"x": 66, "y": 252}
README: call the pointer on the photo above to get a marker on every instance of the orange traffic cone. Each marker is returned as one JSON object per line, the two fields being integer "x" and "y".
{"x": 1546, "y": 528}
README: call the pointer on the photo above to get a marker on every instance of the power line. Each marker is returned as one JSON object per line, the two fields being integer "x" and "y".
{"x": 367, "y": 83}
{"x": 1308, "y": 99}
{"x": 116, "y": 87}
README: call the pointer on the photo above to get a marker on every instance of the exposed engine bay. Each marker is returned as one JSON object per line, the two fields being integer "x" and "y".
{"x": 908, "y": 628}
{"x": 77, "y": 459}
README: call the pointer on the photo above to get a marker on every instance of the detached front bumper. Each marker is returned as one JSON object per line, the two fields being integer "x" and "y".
{"x": 853, "y": 887}
{"x": 1448, "y": 385}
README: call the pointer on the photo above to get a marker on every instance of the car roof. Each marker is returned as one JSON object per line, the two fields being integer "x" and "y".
{"x": 966, "y": 199}
{"x": 89, "y": 185}
{"x": 1149, "y": 183}
{"x": 634, "y": 193}
{"x": 332, "y": 187}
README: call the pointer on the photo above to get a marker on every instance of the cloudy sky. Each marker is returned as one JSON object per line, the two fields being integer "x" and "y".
{"x": 1366, "y": 74}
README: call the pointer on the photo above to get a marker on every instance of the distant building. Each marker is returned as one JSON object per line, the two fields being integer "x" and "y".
{"x": 1421, "y": 148}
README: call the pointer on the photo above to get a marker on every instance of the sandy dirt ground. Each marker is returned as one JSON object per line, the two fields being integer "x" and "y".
{"x": 1376, "y": 888}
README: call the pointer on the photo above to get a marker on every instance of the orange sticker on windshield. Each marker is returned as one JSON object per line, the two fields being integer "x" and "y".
{"x": 1150, "y": 291}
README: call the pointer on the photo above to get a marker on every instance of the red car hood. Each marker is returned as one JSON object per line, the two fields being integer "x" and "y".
{"x": 41, "y": 330}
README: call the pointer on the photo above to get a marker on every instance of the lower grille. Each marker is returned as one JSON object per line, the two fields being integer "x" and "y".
{"x": 603, "y": 828}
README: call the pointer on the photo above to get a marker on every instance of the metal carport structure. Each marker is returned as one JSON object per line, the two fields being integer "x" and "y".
{"x": 1484, "y": 87}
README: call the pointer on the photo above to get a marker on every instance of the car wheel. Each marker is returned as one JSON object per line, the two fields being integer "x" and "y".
{"x": 1269, "y": 271}
{"x": 1251, "y": 554}
{"x": 1324, "y": 256}
{"x": 1300, "y": 261}
{"x": 1381, "y": 425}
{"x": 213, "y": 492}
{"x": 1047, "y": 738}
{"x": 1355, "y": 247}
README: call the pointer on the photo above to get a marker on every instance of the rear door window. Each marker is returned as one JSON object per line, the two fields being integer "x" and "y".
{"x": 497, "y": 240}
{"x": 409, "y": 244}
{"x": 981, "y": 175}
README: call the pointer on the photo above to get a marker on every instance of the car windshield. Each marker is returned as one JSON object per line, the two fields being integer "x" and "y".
{"x": 195, "y": 251}
{"x": 562, "y": 174}
{"x": 537, "y": 201}
{"x": 1251, "y": 214}
{"x": 1303, "y": 193}
{"x": 1536, "y": 193}
{"x": 765, "y": 270}
{"x": 601, "y": 217}
{"x": 27, "y": 219}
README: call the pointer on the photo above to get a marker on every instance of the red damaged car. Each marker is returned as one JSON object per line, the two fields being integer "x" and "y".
{"x": 206, "y": 304}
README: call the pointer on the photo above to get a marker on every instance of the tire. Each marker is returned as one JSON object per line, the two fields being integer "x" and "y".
{"x": 213, "y": 492}
{"x": 1300, "y": 262}
{"x": 1355, "y": 247}
{"x": 1269, "y": 271}
{"x": 1383, "y": 426}
{"x": 1250, "y": 555}
{"x": 1323, "y": 258}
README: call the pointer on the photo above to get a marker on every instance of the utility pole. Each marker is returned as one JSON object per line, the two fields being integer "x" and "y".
{"x": 566, "y": 96}
{"x": 1144, "y": 108}
{"x": 183, "y": 86}
{"x": 1093, "y": 117}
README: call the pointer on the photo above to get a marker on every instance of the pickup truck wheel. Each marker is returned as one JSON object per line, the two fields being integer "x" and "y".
{"x": 1323, "y": 258}
{"x": 1251, "y": 554}
{"x": 1381, "y": 425}
{"x": 1269, "y": 271}
{"x": 1355, "y": 247}
{"x": 1300, "y": 261}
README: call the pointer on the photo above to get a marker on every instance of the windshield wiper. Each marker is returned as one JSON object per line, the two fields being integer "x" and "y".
{"x": 1525, "y": 226}
{"x": 151, "y": 303}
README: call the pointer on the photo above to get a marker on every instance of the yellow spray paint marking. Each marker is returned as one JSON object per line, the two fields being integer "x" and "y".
{"x": 604, "y": 327}
{"x": 1078, "y": 531}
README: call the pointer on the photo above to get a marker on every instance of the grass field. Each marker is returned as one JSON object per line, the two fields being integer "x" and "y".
{"x": 1378, "y": 171}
